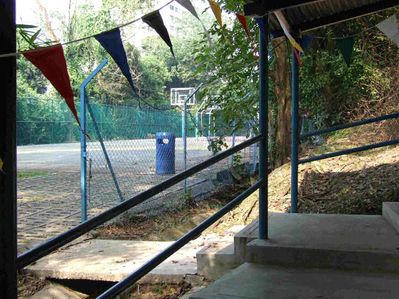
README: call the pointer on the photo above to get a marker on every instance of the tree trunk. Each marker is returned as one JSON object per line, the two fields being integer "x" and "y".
{"x": 282, "y": 91}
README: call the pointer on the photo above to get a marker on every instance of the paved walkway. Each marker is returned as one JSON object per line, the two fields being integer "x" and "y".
{"x": 49, "y": 200}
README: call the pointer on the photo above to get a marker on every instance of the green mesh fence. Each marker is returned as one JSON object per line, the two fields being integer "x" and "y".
{"x": 46, "y": 121}
{"x": 129, "y": 140}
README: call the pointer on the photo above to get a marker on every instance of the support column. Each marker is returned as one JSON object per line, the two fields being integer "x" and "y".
{"x": 294, "y": 132}
{"x": 8, "y": 193}
{"x": 263, "y": 128}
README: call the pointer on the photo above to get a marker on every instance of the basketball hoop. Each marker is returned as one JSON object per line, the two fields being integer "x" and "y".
{"x": 179, "y": 95}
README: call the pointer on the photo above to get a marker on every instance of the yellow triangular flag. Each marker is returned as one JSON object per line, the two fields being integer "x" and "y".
{"x": 284, "y": 25}
{"x": 217, "y": 11}
{"x": 1, "y": 164}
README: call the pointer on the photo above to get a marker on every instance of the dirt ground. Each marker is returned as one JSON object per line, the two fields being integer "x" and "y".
{"x": 171, "y": 224}
{"x": 352, "y": 184}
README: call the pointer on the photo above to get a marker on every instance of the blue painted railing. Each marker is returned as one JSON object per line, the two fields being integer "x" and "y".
{"x": 55, "y": 243}
{"x": 295, "y": 161}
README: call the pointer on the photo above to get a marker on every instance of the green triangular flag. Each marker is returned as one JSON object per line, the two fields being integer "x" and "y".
{"x": 346, "y": 48}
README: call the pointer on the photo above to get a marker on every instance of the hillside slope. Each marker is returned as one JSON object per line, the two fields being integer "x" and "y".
{"x": 351, "y": 184}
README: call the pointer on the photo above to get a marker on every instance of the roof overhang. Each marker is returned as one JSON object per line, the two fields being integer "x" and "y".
{"x": 307, "y": 15}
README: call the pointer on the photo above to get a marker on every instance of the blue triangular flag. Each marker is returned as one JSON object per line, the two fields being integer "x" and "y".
{"x": 306, "y": 42}
{"x": 154, "y": 20}
{"x": 112, "y": 43}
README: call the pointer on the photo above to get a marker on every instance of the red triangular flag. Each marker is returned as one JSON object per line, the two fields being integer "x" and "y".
{"x": 243, "y": 22}
{"x": 51, "y": 62}
{"x": 298, "y": 57}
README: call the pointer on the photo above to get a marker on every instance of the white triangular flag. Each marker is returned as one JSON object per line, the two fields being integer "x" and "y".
{"x": 390, "y": 27}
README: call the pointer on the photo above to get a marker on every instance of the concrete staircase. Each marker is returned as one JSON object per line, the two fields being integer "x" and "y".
{"x": 314, "y": 256}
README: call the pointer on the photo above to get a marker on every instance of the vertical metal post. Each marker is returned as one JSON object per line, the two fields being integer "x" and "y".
{"x": 184, "y": 137}
{"x": 209, "y": 123}
{"x": 83, "y": 140}
{"x": 196, "y": 126}
{"x": 8, "y": 190}
{"x": 294, "y": 132}
{"x": 202, "y": 123}
{"x": 263, "y": 128}
{"x": 233, "y": 143}
{"x": 83, "y": 151}
{"x": 254, "y": 155}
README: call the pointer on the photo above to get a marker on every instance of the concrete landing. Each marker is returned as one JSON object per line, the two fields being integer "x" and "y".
{"x": 320, "y": 240}
{"x": 263, "y": 282}
{"x": 113, "y": 260}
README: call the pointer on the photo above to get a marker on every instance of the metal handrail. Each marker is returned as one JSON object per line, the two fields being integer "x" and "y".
{"x": 351, "y": 125}
{"x": 349, "y": 151}
{"x": 162, "y": 256}
{"x": 55, "y": 243}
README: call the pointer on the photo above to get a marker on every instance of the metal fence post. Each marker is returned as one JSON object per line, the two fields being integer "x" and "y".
{"x": 83, "y": 139}
{"x": 184, "y": 137}
{"x": 294, "y": 132}
{"x": 8, "y": 190}
{"x": 83, "y": 152}
{"x": 263, "y": 128}
{"x": 196, "y": 126}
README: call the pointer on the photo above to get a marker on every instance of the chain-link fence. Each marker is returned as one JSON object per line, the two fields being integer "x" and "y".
{"x": 49, "y": 194}
{"x": 127, "y": 161}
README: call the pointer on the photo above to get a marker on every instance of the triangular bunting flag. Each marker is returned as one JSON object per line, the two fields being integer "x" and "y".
{"x": 112, "y": 43}
{"x": 284, "y": 25}
{"x": 390, "y": 27}
{"x": 189, "y": 6}
{"x": 298, "y": 57}
{"x": 1, "y": 165}
{"x": 51, "y": 62}
{"x": 243, "y": 22}
{"x": 154, "y": 20}
{"x": 306, "y": 42}
{"x": 217, "y": 11}
{"x": 345, "y": 46}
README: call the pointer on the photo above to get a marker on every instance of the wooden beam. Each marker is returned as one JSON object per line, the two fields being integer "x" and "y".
{"x": 346, "y": 15}
{"x": 8, "y": 224}
{"x": 261, "y": 7}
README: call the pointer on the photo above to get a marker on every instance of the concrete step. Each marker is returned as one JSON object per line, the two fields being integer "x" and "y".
{"x": 215, "y": 260}
{"x": 390, "y": 211}
{"x": 246, "y": 235}
{"x": 263, "y": 282}
{"x": 351, "y": 242}
{"x": 217, "y": 255}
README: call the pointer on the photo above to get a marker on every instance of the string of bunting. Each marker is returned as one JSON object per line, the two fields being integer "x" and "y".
{"x": 51, "y": 61}
{"x": 345, "y": 45}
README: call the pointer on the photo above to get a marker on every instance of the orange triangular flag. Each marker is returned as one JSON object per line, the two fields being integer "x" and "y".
{"x": 217, "y": 11}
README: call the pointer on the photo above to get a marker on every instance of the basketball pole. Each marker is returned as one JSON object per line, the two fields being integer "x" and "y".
{"x": 184, "y": 137}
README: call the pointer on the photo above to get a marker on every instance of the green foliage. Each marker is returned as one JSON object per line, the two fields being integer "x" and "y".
{"x": 229, "y": 70}
{"x": 329, "y": 87}
{"x": 331, "y": 91}
{"x": 217, "y": 144}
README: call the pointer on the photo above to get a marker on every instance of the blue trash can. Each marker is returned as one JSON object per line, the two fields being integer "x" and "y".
{"x": 165, "y": 153}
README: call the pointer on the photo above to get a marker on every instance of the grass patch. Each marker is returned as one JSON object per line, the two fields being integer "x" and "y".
{"x": 26, "y": 174}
